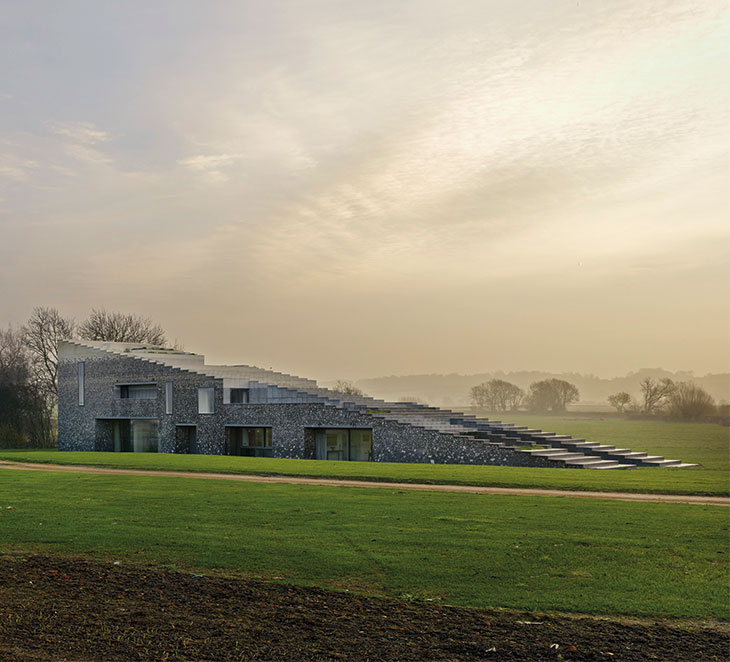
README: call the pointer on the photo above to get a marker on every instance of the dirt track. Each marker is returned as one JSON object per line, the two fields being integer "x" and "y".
{"x": 295, "y": 480}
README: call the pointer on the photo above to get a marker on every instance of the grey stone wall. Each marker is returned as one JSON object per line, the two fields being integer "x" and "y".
{"x": 87, "y": 427}
{"x": 77, "y": 425}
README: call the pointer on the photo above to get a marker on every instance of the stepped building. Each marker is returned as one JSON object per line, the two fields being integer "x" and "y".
{"x": 135, "y": 397}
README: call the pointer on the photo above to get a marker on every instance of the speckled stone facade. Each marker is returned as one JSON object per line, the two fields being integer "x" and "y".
{"x": 89, "y": 426}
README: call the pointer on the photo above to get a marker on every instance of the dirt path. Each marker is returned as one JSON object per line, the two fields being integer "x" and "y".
{"x": 295, "y": 480}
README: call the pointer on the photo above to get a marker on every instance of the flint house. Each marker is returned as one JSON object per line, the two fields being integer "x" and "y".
{"x": 143, "y": 398}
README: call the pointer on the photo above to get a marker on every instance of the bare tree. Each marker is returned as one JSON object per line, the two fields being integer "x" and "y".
{"x": 480, "y": 395}
{"x": 565, "y": 393}
{"x": 552, "y": 395}
{"x": 497, "y": 395}
{"x": 14, "y": 358}
{"x": 41, "y": 334}
{"x": 505, "y": 395}
{"x": 620, "y": 401}
{"x": 25, "y": 412}
{"x": 121, "y": 327}
{"x": 515, "y": 397}
{"x": 348, "y": 388}
{"x": 655, "y": 393}
{"x": 690, "y": 402}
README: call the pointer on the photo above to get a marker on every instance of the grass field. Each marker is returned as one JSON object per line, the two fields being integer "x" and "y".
{"x": 577, "y": 555}
{"x": 658, "y": 481}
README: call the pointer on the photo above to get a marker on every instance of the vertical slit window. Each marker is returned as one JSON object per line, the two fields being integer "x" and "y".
{"x": 81, "y": 383}
{"x": 168, "y": 397}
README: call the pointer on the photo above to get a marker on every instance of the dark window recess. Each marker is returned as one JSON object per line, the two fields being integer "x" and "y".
{"x": 186, "y": 439}
{"x": 138, "y": 391}
{"x": 251, "y": 442}
{"x": 239, "y": 396}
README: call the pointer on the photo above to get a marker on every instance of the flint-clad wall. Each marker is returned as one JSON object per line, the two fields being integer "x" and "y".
{"x": 77, "y": 425}
{"x": 87, "y": 427}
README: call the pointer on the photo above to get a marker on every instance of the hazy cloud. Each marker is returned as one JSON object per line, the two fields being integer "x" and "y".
{"x": 81, "y": 132}
{"x": 16, "y": 168}
{"x": 385, "y": 173}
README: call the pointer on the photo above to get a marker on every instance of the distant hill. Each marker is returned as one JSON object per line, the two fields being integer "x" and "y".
{"x": 453, "y": 390}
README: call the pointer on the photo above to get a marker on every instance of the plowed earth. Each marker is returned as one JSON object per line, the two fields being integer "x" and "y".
{"x": 57, "y": 608}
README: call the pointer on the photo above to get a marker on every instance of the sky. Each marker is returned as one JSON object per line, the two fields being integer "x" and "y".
{"x": 349, "y": 189}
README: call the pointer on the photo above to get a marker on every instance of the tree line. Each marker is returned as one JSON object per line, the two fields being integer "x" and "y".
{"x": 684, "y": 401}
{"x": 547, "y": 395}
{"x": 29, "y": 367}
{"x": 678, "y": 400}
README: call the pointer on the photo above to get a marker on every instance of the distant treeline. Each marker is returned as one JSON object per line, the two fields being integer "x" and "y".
{"x": 455, "y": 389}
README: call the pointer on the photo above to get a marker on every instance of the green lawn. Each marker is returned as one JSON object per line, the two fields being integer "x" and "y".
{"x": 658, "y": 481}
{"x": 706, "y": 444}
{"x": 536, "y": 553}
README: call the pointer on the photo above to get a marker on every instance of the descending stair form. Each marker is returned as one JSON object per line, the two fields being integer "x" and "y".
{"x": 560, "y": 450}
{"x": 565, "y": 449}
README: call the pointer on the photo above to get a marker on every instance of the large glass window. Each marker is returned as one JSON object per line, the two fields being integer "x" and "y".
{"x": 252, "y": 442}
{"x": 138, "y": 391}
{"x": 361, "y": 445}
{"x": 344, "y": 444}
{"x": 336, "y": 444}
{"x": 206, "y": 400}
{"x": 135, "y": 436}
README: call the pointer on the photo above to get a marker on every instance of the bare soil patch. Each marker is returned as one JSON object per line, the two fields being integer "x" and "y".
{"x": 59, "y": 608}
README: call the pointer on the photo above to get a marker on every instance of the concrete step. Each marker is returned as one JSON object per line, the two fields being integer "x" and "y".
{"x": 564, "y": 457}
{"x": 596, "y": 463}
{"x": 612, "y": 465}
{"x": 587, "y": 462}
{"x": 569, "y": 443}
{"x": 627, "y": 455}
{"x": 593, "y": 450}
{"x": 661, "y": 462}
{"x": 546, "y": 452}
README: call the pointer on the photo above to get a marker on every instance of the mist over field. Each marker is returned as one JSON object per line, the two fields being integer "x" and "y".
{"x": 453, "y": 389}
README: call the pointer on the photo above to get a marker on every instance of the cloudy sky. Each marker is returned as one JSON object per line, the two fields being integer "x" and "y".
{"x": 351, "y": 189}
